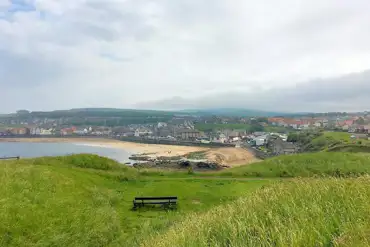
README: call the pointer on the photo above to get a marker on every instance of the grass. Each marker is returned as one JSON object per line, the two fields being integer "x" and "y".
{"x": 196, "y": 155}
{"x": 85, "y": 200}
{"x": 329, "y": 140}
{"x": 336, "y": 164}
{"x": 309, "y": 212}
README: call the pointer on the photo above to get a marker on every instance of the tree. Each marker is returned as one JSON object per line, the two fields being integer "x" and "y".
{"x": 256, "y": 128}
{"x": 262, "y": 120}
{"x": 292, "y": 137}
{"x": 360, "y": 121}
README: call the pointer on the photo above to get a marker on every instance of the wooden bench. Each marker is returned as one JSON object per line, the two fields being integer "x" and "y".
{"x": 165, "y": 201}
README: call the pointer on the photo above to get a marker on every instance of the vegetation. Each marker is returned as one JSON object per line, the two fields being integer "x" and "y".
{"x": 323, "y": 212}
{"x": 336, "y": 164}
{"x": 197, "y": 155}
{"x": 100, "y": 116}
{"x": 313, "y": 141}
{"x": 352, "y": 148}
{"x": 85, "y": 200}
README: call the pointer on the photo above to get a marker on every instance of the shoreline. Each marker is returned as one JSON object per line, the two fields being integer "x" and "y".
{"x": 133, "y": 147}
{"x": 229, "y": 156}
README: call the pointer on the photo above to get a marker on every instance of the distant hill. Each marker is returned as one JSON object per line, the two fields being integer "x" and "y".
{"x": 235, "y": 112}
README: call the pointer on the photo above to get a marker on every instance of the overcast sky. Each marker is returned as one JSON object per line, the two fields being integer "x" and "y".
{"x": 286, "y": 55}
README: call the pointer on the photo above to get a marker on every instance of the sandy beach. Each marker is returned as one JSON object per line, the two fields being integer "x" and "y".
{"x": 228, "y": 155}
{"x": 152, "y": 149}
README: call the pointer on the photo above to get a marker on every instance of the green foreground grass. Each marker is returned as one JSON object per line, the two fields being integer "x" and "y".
{"x": 321, "y": 212}
{"x": 85, "y": 200}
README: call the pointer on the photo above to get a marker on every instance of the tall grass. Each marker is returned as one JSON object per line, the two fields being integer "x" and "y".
{"x": 80, "y": 160}
{"x": 306, "y": 165}
{"x": 57, "y": 201}
{"x": 310, "y": 212}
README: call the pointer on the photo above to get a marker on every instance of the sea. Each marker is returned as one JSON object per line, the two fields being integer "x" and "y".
{"x": 32, "y": 150}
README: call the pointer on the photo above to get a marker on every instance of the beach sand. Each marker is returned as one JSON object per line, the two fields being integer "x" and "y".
{"x": 150, "y": 149}
{"x": 227, "y": 155}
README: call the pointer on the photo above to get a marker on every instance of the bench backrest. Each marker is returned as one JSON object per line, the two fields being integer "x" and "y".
{"x": 157, "y": 198}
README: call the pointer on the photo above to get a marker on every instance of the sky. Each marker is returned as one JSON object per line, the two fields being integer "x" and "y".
{"x": 286, "y": 55}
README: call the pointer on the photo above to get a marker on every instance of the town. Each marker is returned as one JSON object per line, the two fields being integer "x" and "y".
{"x": 266, "y": 134}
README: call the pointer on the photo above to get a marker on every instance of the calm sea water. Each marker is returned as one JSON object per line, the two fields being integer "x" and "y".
{"x": 31, "y": 150}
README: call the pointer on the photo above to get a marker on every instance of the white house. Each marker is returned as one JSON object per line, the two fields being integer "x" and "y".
{"x": 35, "y": 131}
{"x": 260, "y": 140}
{"x": 46, "y": 132}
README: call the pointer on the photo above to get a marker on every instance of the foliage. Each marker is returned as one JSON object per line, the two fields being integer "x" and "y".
{"x": 302, "y": 212}
{"x": 360, "y": 120}
{"x": 104, "y": 116}
{"x": 336, "y": 164}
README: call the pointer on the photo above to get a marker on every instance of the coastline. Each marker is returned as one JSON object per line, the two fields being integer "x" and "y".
{"x": 229, "y": 156}
{"x": 133, "y": 147}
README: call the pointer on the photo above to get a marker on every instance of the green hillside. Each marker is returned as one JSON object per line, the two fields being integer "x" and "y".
{"x": 327, "y": 140}
{"x": 86, "y": 200}
{"x": 336, "y": 164}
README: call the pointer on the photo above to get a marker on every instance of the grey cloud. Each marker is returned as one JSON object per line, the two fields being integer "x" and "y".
{"x": 20, "y": 71}
{"x": 349, "y": 92}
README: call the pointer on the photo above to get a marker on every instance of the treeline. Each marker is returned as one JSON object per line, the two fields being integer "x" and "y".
{"x": 98, "y": 116}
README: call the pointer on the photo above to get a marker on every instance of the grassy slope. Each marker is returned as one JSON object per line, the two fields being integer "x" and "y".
{"x": 329, "y": 140}
{"x": 322, "y": 212}
{"x": 53, "y": 201}
{"x": 335, "y": 164}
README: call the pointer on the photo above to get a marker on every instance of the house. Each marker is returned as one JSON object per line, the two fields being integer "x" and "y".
{"x": 80, "y": 131}
{"x": 278, "y": 146}
{"x": 20, "y": 131}
{"x": 260, "y": 140}
{"x": 142, "y": 132}
{"x": 67, "y": 131}
{"x": 188, "y": 134}
{"x": 35, "y": 131}
{"x": 4, "y": 132}
{"x": 161, "y": 125}
{"x": 46, "y": 132}
{"x": 221, "y": 138}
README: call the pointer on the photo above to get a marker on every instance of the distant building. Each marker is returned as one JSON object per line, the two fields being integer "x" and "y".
{"x": 20, "y": 131}
{"x": 188, "y": 134}
{"x": 278, "y": 146}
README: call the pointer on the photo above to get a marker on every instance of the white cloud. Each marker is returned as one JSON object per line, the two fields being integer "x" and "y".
{"x": 81, "y": 53}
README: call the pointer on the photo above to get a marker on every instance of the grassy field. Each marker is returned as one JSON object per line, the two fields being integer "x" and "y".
{"x": 329, "y": 140}
{"x": 84, "y": 200}
{"x": 321, "y": 212}
{"x": 336, "y": 164}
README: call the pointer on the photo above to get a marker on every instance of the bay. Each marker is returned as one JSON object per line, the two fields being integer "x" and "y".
{"x": 33, "y": 150}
